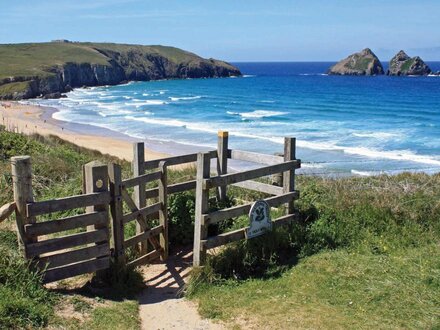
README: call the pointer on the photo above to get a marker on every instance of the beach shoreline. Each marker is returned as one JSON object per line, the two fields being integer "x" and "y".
{"x": 34, "y": 119}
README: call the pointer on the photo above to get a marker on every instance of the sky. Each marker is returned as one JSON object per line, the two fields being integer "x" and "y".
{"x": 233, "y": 30}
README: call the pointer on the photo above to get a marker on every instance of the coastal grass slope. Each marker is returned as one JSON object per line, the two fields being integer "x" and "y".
{"x": 38, "y": 69}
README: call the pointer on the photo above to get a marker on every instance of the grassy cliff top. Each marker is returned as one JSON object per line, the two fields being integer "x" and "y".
{"x": 36, "y": 59}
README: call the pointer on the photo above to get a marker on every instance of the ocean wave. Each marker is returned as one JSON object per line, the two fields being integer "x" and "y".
{"x": 267, "y": 101}
{"x": 377, "y": 135}
{"x": 248, "y": 76}
{"x": 185, "y": 98}
{"x": 365, "y": 173}
{"x": 261, "y": 114}
{"x": 146, "y": 102}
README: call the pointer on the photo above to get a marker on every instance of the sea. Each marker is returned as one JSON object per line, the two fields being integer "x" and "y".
{"x": 343, "y": 125}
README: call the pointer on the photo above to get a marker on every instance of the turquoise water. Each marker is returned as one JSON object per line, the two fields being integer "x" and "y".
{"x": 348, "y": 125}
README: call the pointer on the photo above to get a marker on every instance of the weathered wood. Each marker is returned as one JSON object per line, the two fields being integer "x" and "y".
{"x": 22, "y": 185}
{"x": 232, "y": 212}
{"x": 249, "y": 175}
{"x": 260, "y": 187}
{"x": 163, "y": 219}
{"x": 254, "y": 157}
{"x": 6, "y": 210}
{"x": 142, "y": 179}
{"x": 289, "y": 176}
{"x": 143, "y": 236}
{"x": 177, "y": 160}
{"x": 67, "y": 203}
{"x": 222, "y": 161}
{"x": 146, "y": 211}
{"x": 66, "y": 242}
{"x": 139, "y": 195}
{"x": 68, "y": 223}
{"x": 240, "y": 234}
{"x": 116, "y": 210}
{"x": 172, "y": 189}
{"x": 153, "y": 255}
{"x": 76, "y": 269}
{"x": 130, "y": 203}
{"x": 202, "y": 196}
{"x": 69, "y": 257}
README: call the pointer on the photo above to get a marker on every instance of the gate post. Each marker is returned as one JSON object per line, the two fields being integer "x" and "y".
{"x": 116, "y": 210}
{"x": 289, "y": 176}
{"x": 202, "y": 196}
{"x": 96, "y": 180}
{"x": 140, "y": 198}
{"x": 23, "y": 194}
{"x": 222, "y": 161}
{"x": 163, "y": 218}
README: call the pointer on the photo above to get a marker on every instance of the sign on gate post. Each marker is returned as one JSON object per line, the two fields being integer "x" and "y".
{"x": 260, "y": 221}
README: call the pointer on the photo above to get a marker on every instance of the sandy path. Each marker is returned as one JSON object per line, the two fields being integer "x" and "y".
{"x": 160, "y": 306}
{"x": 30, "y": 119}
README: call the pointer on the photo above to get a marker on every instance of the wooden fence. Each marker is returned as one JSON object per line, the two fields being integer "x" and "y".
{"x": 99, "y": 237}
{"x": 281, "y": 195}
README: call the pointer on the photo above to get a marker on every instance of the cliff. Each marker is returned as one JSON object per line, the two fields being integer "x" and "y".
{"x": 403, "y": 65}
{"x": 364, "y": 63}
{"x": 49, "y": 69}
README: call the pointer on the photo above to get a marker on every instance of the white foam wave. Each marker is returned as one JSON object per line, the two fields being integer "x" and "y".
{"x": 365, "y": 173}
{"x": 184, "y": 98}
{"x": 376, "y": 135}
{"x": 248, "y": 76}
{"x": 146, "y": 102}
{"x": 261, "y": 114}
{"x": 267, "y": 101}
{"x": 145, "y": 94}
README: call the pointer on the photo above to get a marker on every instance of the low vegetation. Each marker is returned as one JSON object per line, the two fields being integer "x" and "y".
{"x": 364, "y": 253}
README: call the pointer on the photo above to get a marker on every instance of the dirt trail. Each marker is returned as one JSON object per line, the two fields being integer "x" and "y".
{"x": 160, "y": 306}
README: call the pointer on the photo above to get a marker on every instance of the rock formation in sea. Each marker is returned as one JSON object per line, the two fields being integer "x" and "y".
{"x": 364, "y": 63}
{"x": 49, "y": 69}
{"x": 403, "y": 65}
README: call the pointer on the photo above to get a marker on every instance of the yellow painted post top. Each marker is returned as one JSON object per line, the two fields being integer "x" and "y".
{"x": 222, "y": 134}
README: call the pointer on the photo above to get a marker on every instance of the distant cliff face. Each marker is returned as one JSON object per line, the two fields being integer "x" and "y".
{"x": 403, "y": 65}
{"x": 364, "y": 63}
{"x": 58, "y": 67}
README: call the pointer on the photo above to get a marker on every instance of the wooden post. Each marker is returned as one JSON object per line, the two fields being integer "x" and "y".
{"x": 222, "y": 161}
{"x": 96, "y": 180}
{"x": 163, "y": 219}
{"x": 289, "y": 176}
{"x": 116, "y": 209}
{"x": 202, "y": 196}
{"x": 23, "y": 194}
{"x": 140, "y": 199}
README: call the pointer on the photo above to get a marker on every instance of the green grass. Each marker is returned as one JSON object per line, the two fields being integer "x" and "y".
{"x": 407, "y": 65}
{"x": 364, "y": 254}
{"x": 16, "y": 87}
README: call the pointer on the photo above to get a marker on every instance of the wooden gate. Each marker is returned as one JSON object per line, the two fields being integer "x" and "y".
{"x": 49, "y": 243}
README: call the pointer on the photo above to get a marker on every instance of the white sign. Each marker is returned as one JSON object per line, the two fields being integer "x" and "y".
{"x": 260, "y": 221}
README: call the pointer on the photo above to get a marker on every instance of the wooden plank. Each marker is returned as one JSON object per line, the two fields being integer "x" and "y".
{"x": 69, "y": 257}
{"x": 249, "y": 175}
{"x": 254, "y": 157}
{"x": 202, "y": 207}
{"x": 222, "y": 161}
{"x": 76, "y": 269}
{"x": 116, "y": 209}
{"x": 239, "y": 234}
{"x": 66, "y": 242}
{"x": 163, "y": 218}
{"x": 6, "y": 210}
{"x": 131, "y": 204}
{"x": 177, "y": 160}
{"x": 232, "y": 212}
{"x": 67, "y": 203}
{"x": 172, "y": 189}
{"x": 149, "y": 257}
{"x": 143, "y": 236}
{"x": 289, "y": 176}
{"x": 68, "y": 223}
{"x": 142, "y": 179}
{"x": 145, "y": 211}
{"x": 139, "y": 197}
{"x": 260, "y": 187}
{"x": 22, "y": 185}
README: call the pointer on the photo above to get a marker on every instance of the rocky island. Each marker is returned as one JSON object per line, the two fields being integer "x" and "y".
{"x": 49, "y": 69}
{"x": 403, "y": 65}
{"x": 364, "y": 63}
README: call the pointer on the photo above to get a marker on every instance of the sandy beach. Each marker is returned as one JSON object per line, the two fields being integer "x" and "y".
{"x": 31, "y": 119}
